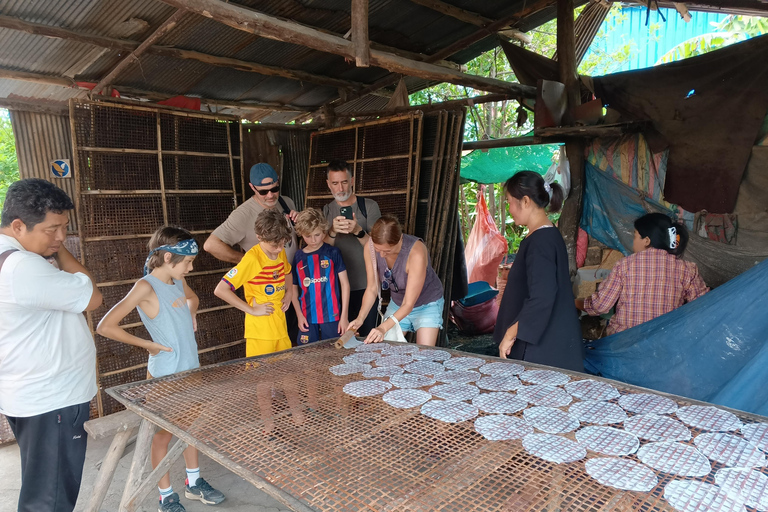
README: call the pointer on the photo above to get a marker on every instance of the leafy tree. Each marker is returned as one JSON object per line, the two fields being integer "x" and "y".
{"x": 732, "y": 29}
{"x": 9, "y": 167}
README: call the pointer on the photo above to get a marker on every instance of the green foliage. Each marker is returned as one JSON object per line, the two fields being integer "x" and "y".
{"x": 732, "y": 29}
{"x": 9, "y": 167}
{"x": 499, "y": 120}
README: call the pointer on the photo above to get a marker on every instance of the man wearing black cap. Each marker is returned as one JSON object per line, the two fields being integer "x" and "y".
{"x": 238, "y": 229}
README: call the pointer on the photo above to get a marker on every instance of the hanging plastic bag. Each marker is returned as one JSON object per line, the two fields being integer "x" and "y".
{"x": 486, "y": 246}
{"x": 560, "y": 173}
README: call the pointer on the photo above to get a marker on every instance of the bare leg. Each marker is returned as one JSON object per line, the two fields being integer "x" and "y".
{"x": 427, "y": 336}
{"x": 264, "y": 397}
{"x": 159, "y": 450}
{"x": 191, "y": 459}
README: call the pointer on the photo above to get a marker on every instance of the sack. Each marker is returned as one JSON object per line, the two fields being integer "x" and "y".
{"x": 485, "y": 247}
{"x": 477, "y": 319}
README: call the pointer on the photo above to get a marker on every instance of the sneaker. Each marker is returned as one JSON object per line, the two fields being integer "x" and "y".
{"x": 171, "y": 504}
{"x": 203, "y": 491}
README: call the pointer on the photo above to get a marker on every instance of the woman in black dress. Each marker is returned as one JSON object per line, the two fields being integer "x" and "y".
{"x": 537, "y": 319}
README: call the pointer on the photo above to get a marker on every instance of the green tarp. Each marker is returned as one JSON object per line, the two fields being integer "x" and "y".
{"x": 498, "y": 164}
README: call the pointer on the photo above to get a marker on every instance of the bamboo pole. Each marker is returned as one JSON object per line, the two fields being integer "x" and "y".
{"x": 416, "y": 174}
{"x": 133, "y": 57}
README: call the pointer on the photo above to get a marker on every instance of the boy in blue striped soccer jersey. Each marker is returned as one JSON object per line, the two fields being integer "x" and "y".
{"x": 321, "y": 287}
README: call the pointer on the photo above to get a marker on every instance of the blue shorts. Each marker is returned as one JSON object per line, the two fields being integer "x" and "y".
{"x": 428, "y": 315}
{"x": 318, "y": 332}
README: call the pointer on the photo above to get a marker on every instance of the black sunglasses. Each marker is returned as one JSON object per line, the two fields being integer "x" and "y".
{"x": 385, "y": 283}
{"x": 274, "y": 190}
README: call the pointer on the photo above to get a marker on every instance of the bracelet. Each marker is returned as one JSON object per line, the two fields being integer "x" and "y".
{"x": 330, "y": 235}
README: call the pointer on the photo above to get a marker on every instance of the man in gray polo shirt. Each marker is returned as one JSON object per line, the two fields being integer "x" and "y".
{"x": 350, "y": 236}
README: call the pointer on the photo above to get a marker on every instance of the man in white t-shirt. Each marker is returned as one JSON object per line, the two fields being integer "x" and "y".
{"x": 47, "y": 354}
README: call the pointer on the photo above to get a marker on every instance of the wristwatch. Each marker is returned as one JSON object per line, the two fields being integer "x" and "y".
{"x": 361, "y": 233}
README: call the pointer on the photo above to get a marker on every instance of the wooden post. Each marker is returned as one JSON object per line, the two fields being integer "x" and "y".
{"x": 162, "y": 468}
{"x": 360, "y": 33}
{"x": 574, "y": 148}
{"x": 107, "y": 471}
{"x": 140, "y": 459}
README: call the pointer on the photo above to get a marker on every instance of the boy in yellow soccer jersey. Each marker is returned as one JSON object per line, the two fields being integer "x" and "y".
{"x": 265, "y": 275}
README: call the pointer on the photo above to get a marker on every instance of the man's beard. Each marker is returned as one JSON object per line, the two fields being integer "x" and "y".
{"x": 341, "y": 197}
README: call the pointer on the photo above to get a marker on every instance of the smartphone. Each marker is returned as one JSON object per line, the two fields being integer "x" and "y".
{"x": 346, "y": 212}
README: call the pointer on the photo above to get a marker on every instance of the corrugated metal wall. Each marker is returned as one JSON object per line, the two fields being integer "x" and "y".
{"x": 648, "y": 43}
{"x": 40, "y": 139}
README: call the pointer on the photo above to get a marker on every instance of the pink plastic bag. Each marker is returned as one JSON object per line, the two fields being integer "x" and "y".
{"x": 485, "y": 247}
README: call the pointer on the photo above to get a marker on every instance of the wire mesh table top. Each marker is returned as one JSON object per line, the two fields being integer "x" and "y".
{"x": 285, "y": 423}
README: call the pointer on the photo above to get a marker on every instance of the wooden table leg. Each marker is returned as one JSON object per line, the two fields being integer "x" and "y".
{"x": 139, "y": 463}
{"x": 157, "y": 473}
{"x": 107, "y": 471}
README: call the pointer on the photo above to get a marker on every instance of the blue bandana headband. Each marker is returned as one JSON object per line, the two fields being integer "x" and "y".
{"x": 184, "y": 248}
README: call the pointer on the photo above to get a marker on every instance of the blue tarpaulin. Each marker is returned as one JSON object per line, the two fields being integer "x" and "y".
{"x": 713, "y": 349}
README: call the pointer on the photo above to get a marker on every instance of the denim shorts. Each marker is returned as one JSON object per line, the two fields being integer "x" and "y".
{"x": 428, "y": 315}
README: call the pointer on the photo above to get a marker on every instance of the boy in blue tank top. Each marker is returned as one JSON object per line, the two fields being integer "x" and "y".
{"x": 167, "y": 307}
{"x": 318, "y": 274}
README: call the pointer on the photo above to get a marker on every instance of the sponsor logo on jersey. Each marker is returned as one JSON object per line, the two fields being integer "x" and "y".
{"x": 324, "y": 263}
{"x": 271, "y": 289}
{"x": 307, "y": 281}
{"x": 232, "y": 273}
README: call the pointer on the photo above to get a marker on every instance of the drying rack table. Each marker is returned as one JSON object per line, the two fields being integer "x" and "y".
{"x": 283, "y": 423}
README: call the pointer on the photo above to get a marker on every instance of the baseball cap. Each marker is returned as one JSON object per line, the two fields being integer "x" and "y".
{"x": 261, "y": 171}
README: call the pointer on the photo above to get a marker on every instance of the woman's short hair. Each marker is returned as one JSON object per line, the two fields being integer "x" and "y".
{"x": 663, "y": 232}
{"x": 166, "y": 235}
{"x": 387, "y": 231}
{"x": 309, "y": 220}
{"x": 531, "y": 184}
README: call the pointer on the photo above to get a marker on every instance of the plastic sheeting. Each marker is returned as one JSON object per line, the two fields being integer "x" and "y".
{"x": 713, "y": 349}
{"x": 497, "y": 165}
{"x": 486, "y": 246}
{"x": 609, "y": 212}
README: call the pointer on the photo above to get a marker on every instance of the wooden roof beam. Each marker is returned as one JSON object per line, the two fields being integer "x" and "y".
{"x": 39, "y": 78}
{"x": 454, "y": 12}
{"x": 448, "y": 51}
{"x": 124, "y": 45}
{"x": 255, "y": 22}
{"x": 133, "y": 57}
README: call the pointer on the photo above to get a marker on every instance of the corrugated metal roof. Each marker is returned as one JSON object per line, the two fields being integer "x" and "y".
{"x": 398, "y": 23}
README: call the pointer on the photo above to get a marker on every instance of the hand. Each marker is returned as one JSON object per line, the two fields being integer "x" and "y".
{"x": 341, "y": 224}
{"x": 155, "y": 348}
{"x": 303, "y": 324}
{"x": 262, "y": 309}
{"x": 343, "y": 326}
{"x": 286, "y": 302}
{"x": 194, "y": 321}
{"x": 354, "y": 325}
{"x": 292, "y": 215}
{"x": 505, "y": 347}
{"x": 375, "y": 336}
